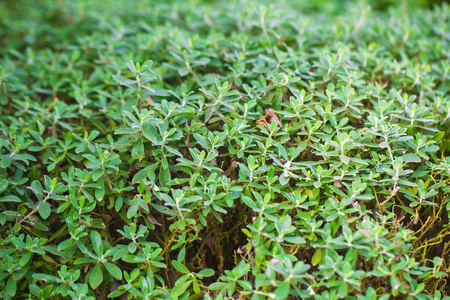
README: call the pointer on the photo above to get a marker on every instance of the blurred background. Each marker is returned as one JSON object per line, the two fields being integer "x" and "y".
{"x": 41, "y": 22}
{"x": 316, "y": 5}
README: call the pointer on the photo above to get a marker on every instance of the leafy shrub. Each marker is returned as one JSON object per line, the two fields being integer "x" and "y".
{"x": 191, "y": 150}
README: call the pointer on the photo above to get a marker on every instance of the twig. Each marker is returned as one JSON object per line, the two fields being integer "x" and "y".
{"x": 218, "y": 101}
{"x": 213, "y": 110}
{"x": 393, "y": 193}
{"x": 231, "y": 168}
{"x": 172, "y": 238}
{"x": 36, "y": 209}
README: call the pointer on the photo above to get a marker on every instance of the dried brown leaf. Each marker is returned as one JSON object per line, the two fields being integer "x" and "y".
{"x": 153, "y": 220}
{"x": 269, "y": 118}
{"x": 233, "y": 166}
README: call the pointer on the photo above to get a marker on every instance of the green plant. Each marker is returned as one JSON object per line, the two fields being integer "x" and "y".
{"x": 181, "y": 150}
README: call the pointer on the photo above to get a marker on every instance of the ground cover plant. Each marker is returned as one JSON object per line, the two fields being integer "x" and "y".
{"x": 203, "y": 150}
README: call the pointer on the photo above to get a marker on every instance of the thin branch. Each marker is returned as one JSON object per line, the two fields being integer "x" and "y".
{"x": 393, "y": 193}
{"x": 36, "y": 209}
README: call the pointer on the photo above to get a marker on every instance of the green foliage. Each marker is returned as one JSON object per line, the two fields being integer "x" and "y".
{"x": 188, "y": 150}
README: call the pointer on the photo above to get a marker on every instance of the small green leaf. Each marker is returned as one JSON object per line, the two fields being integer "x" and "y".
{"x": 113, "y": 270}
{"x": 142, "y": 174}
{"x": 117, "y": 293}
{"x": 345, "y": 159}
{"x": 5, "y": 162}
{"x": 206, "y": 272}
{"x": 217, "y": 286}
{"x": 96, "y": 277}
{"x": 11, "y": 287}
{"x": 44, "y": 210}
{"x": 138, "y": 150}
{"x": 343, "y": 290}
{"x": 245, "y": 284}
{"x": 180, "y": 267}
{"x": 316, "y": 257}
{"x": 164, "y": 176}
{"x": 10, "y": 198}
{"x": 179, "y": 289}
{"x": 3, "y": 184}
{"x": 196, "y": 286}
{"x": 438, "y": 136}
{"x": 282, "y": 291}
{"x": 37, "y": 190}
{"x": 132, "y": 247}
{"x": 25, "y": 259}
{"x": 96, "y": 242}
{"x": 65, "y": 244}
{"x": 411, "y": 158}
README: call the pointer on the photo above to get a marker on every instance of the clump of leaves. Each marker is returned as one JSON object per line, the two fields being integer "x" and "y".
{"x": 183, "y": 151}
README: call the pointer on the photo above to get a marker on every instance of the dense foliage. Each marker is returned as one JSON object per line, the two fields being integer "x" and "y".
{"x": 192, "y": 150}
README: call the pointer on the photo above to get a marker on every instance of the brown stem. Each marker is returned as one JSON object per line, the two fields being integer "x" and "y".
{"x": 36, "y": 209}
{"x": 393, "y": 193}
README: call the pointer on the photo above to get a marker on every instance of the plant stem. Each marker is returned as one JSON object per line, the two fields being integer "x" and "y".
{"x": 36, "y": 209}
